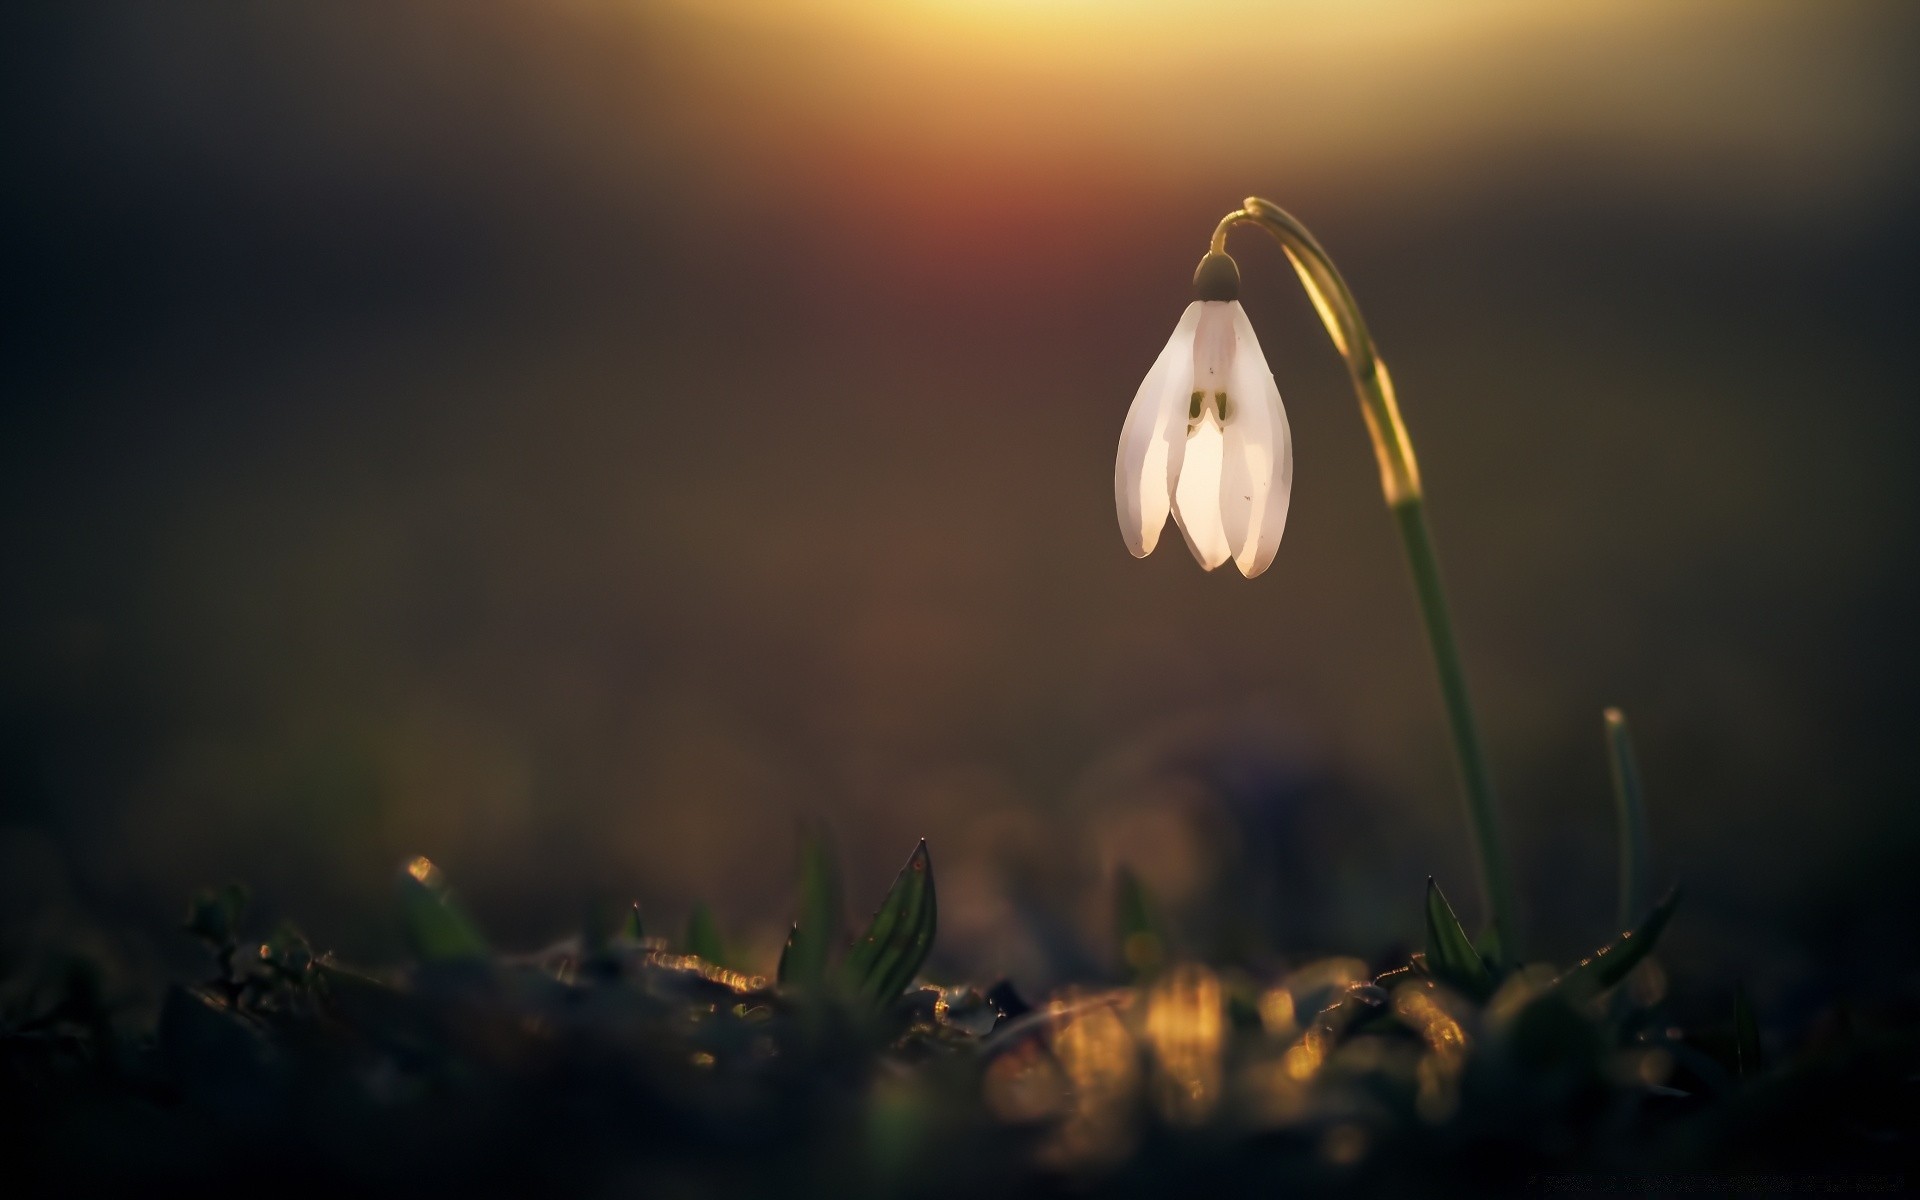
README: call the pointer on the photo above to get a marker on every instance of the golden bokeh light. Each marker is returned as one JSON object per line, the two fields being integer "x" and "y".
{"x": 1186, "y": 1030}
{"x": 1055, "y": 84}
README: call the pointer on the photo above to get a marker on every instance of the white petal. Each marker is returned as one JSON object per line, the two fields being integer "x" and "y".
{"x": 1196, "y": 500}
{"x": 1153, "y": 440}
{"x": 1246, "y": 457}
{"x": 1246, "y": 471}
{"x": 1213, "y": 345}
{"x": 1258, "y": 470}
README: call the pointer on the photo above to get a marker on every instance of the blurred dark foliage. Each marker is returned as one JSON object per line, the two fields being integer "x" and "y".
{"x": 610, "y": 1065}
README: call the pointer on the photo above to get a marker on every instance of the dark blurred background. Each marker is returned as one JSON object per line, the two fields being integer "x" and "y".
{"x": 586, "y": 442}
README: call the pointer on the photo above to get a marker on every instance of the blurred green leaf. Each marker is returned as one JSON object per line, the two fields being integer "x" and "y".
{"x": 703, "y": 939}
{"x": 1630, "y": 815}
{"x": 1138, "y": 929}
{"x": 437, "y": 930}
{"x": 634, "y": 929}
{"x": 1451, "y": 956}
{"x": 1492, "y": 951}
{"x": 213, "y": 915}
{"x": 820, "y": 923}
{"x": 1746, "y": 1036}
{"x": 1610, "y": 964}
{"x": 883, "y": 961}
{"x": 287, "y": 952}
{"x": 898, "y": 1120}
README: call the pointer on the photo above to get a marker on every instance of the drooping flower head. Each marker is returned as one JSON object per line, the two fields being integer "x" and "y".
{"x": 1207, "y": 437}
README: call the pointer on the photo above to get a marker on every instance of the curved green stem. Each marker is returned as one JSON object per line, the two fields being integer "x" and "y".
{"x": 1400, "y": 482}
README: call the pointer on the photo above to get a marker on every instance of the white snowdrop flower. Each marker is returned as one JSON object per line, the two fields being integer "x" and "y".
{"x": 1207, "y": 437}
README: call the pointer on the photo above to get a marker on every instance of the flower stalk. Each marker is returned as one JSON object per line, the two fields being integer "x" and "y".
{"x": 1400, "y": 482}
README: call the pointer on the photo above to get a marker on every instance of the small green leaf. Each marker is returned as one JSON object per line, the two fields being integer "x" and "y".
{"x": 703, "y": 936}
{"x": 883, "y": 961}
{"x": 1140, "y": 932}
{"x": 436, "y": 928}
{"x": 1630, "y": 815}
{"x": 1450, "y": 953}
{"x": 820, "y": 924}
{"x": 287, "y": 952}
{"x": 1610, "y": 964}
{"x": 1492, "y": 952}
{"x": 633, "y": 929}
{"x": 1746, "y": 1036}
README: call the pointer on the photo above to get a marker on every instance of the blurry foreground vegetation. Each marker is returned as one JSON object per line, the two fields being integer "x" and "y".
{"x": 619, "y": 1062}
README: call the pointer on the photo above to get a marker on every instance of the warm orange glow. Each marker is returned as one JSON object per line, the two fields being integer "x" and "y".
{"x": 1268, "y": 1094}
{"x": 1342, "y": 83}
{"x": 1277, "y": 1013}
{"x": 1304, "y": 1060}
{"x": 1323, "y": 982}
{"x": 1438, "y": 1073}
{"x": 1102, "y": 1068}
{"x": 1417, "y": 1007}
{"x": 734, "y": 980}
{"x": 1186, "y": 1030}
{"x": 1024, "y": 1085}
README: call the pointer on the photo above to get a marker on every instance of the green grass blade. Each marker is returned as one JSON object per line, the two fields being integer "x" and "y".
{"x": 1137, "y": 926}
{"x": 703, "y": 939}
{"x": 436, "y": 928}
{"x": 1630, "y": 815}
{"x": 1610, "y": 964}
{"x": 633, "y": 929}
{"x": 1450, "y": 952}
{"x": 820, "y": 924}
{"x": 783, "y": 970}
{"x": 884, "y": 959}
{"x": 1746, "y": 1036}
